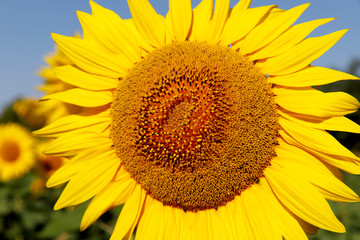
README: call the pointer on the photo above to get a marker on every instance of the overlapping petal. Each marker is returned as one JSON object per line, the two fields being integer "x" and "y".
{"x": 81, "y": 97}
{"x": 300, "y": 55}
{"x": 201, "y": 18}
{"x": 288, "y": 39}
{"x": 311, "y": 76}
{"x": 239, "y": 25}
{"x": 89, "y": 180}
{"x": 71, "y": 143}
{"x": 316, "y": 103}
{"x": 91, "y": 58}
{"x": 269, "y": 30}
{"x": 301, "y": 198}
{"x": 180, "y": 14}
{"x": 149, "y": 24}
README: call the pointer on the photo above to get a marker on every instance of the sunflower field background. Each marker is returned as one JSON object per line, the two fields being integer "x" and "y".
{"x": 26, "y": 205}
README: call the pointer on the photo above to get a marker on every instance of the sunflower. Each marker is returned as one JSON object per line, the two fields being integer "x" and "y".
{"x": 54, "y": 109}
{"x": 202, "y": 122}
{"x": 46, "y": 165}
{"x": 27, "y": 109}
{"x": 16, "y": 151}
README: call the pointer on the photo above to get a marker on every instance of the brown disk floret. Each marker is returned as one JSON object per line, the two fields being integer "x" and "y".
{"x": 9, "y": 151}
{"x": 194, "y": 124}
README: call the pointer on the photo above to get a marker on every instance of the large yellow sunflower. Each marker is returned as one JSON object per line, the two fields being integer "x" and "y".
{"x": 16, "y": 151}
{"x": 203, "y": 124}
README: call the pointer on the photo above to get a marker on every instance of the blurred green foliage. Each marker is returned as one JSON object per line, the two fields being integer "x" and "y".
{"x": 25, "y": 215}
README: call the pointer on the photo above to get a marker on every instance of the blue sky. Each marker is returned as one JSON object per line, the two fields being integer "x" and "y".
{"x": 25, "y": 28}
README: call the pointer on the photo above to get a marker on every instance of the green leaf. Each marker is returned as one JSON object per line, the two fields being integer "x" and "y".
{"x": 63, "y": 221}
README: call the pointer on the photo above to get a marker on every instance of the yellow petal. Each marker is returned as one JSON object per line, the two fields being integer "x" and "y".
{"x": 73, "y": 122}
{"x": 259, "y": 214}
{"x": 71, "y": 143}
{"x": 171, "y": 221}
{"x": 201, "y": 18}
{"x": 335, "y": 171}
{"x": 287, "y": 224}
{"x": 300, "y": 55}
{"x": 184, "y": 225}
{"x": 240, "y": 220}
{"x": 317, "y": 103}
{"x": 93, "y": 58}
{"x": 180, "y": 13}
{"x": 270, "y": 29}
{"x": 329, "y": 123}
{"x": 311, "y": 76}
{"x": 218, "y": 20}
{"x": 275, "y": 12}
{"x": 81, "y": 79}
{"x": 94, "y": 125}
{"x": 89, "y": 181}
{"x": 316, "y": 173}
{"x": 151, "y": 223}
{"x": 217, "y": 226}
{"x": 94, "y": 31}
{"x": 129, "y": 214}
{"x": 288, "y": 39}
{"x": 107, "y": 198}
{"x": 239, "y": 25}
{"x": 123, "y": 35}
{"x": 122, "y": 174}
{"x": 345, "y": 163}
{"x": 148, "y": 22}
{"x": 70, "y": 168}
{"x": 301, "y": 198}
{"x": 316, "y": 139}
{"x": 228, "y": 212}
{"x": 199, "y": 225}
{"x": 240, "y": 7}
{"x": 307, "y": 227}
{"x": 170, "y": 34}
{"x": 81, "y": 97}
{"x": 290, "y": 91}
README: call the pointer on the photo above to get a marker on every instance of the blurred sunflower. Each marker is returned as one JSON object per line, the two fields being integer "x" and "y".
{"x": 16, "y": 151}
{"x": 203, "y": 122}
{"x": 55, "y": 109}
{"x": 29, "y": 112}
{"x": 46, "y": 165}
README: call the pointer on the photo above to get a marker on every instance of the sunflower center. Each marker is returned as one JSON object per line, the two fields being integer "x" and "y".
{"x": 9, "y": 151}
{"x": 194, "y": 124}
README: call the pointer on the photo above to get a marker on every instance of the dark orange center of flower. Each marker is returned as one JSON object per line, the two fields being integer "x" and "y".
{"x": 194, "y": 124}
{"x": 9, "y": 151}
{"x": 47, "y": 165}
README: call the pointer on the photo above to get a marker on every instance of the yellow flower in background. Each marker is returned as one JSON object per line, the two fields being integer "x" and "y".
{"x": 45, "y": 166}
{"x": 203, "y": 122}
{"x": 16, "y": 151}
{"x": 28, "y": 110}
{"x": 55, "y": 109}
